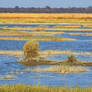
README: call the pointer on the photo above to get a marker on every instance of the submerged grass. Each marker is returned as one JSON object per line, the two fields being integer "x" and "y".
{"x": 38, "y": 88}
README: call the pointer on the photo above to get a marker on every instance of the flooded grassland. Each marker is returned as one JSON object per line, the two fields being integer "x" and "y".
{"x": 57, "y": 40}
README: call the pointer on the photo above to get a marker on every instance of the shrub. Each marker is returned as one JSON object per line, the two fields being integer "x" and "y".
{"x": 71, "y": 59}
{"x": 31, "y": 50}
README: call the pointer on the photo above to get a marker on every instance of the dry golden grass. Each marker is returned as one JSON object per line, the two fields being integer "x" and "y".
{"x": 88, "y": 34}
{"x": 8, "y": 77}
{"x": 44, "y": 15}
{"x": 67, "y": 52}
{"x": 24, "y": 28}
{"x": 14, "y": 53}
{"x": 14, "y": 33}
{"x": 89, "y": 26}
{"x": 28, "y": 18}
{"x": 39, "y": 88}
{"x": 43, "y": 29}
{"x": 60, "y": 69}
{"x": 17, "y": 28}
{"x": 47, "y": 52}
{"x": 37, "y": 38}
{"x": 68, "y": 29}
{"x": 81, "y": 34}
{"x": 74, "y": 34}
{"x": 26, "y": 33}
{"x": 68, "y": 26}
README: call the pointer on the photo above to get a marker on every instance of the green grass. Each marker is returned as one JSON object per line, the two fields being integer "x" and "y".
{"x": 28, "y": 88}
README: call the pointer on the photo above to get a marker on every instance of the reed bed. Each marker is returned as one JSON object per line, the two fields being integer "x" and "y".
{"x": 38, "y": 88}
{"x": 63, "y": 69}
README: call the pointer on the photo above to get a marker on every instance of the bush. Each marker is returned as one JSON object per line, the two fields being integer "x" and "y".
{"x": 71, "y": 59}
{"x": 31, "y": 49}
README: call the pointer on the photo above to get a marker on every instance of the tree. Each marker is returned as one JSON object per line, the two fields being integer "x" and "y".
{"x": 47, "y": 7}
{"x": 16, "y": 7}
{"x": 31, "y": 50}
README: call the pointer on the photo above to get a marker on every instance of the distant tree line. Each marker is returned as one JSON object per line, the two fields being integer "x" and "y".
{"x": 47, "y": 9}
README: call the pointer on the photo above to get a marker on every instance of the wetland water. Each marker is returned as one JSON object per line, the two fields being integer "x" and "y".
{"x": 82, "y": 44}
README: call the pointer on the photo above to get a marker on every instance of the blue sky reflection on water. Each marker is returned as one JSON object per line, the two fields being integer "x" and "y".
{"x": 46, "y": 78}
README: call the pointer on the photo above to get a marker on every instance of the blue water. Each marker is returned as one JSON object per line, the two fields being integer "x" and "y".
{"x": 77, "y": 37}
{"x": 42, "y": 78}
{"x": 65, "y": 34}
{"x": 78, "y": 45}
{"x": 8, "y": 63}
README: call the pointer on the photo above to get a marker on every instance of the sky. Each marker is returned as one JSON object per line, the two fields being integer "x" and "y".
{"x": 43, "y": 3}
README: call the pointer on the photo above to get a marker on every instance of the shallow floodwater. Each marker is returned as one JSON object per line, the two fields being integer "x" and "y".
{"x": 42, "y": 78}
{"x": 8, "y": 65}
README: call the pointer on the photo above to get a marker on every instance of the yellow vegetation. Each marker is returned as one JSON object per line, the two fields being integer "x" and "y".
{"x": 82, "y": 34}
{"x": 26, "y": 33}
{"x": 68, "y": 26}
{"x": 88, "y": 34}
{"x": 60, "y": 69}
{"x": 38, "y": 88}
{"x": 28, "y": 18}
{"x": 74, "y": 34}
{"x": 7, "y": 77}
{"x": 47, "y": 52}
{"x": 43, "y": 29}
{"x": 45, "y": 15}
